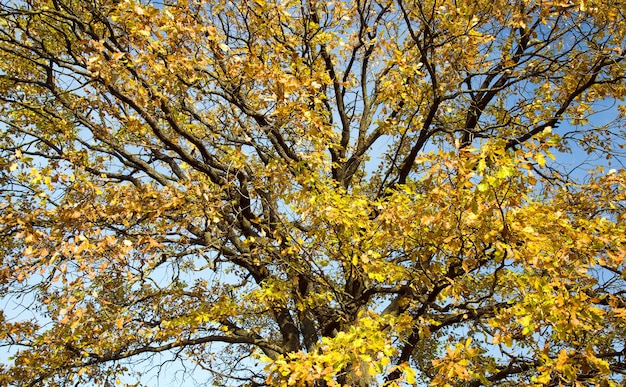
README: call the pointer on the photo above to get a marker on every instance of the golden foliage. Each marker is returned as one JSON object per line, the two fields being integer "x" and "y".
{"x": 313, "y": 193}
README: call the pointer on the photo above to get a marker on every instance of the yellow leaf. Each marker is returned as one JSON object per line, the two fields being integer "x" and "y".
{"x": 540, "y": 159}
{"x": 561, "y": 358}
{"x": 410, "y": 375}
{"x": 543, "y": 378}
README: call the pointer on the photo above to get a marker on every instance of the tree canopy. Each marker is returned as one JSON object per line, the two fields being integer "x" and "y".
{"x": 313, "y": 193}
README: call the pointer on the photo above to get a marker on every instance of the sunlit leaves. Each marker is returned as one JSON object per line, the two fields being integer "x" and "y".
{"x": 313, "y": 193}
{"x": 362, "y": 352}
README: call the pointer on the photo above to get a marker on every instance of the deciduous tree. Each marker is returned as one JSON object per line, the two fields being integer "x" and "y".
{"x": 314, "y": 193}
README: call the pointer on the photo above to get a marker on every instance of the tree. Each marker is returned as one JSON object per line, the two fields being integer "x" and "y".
{"x": 304, "y": 192}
